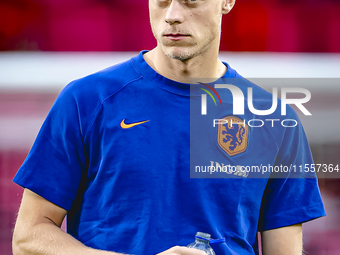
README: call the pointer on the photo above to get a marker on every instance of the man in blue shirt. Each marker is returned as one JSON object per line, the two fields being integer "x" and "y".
{"x": 114, "y": 156}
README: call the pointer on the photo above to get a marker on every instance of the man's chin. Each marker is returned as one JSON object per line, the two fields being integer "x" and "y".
{"x": 181, "y": 55}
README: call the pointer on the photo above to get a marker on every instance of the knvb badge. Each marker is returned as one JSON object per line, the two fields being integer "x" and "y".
{"x": 232, "y": 136}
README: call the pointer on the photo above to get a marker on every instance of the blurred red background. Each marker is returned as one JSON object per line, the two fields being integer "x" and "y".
{"x": 123, "y": 25}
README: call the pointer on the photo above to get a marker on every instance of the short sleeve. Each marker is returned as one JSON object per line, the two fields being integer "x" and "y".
{"x": 291, "y": 197}
{"x": 56, "y": 163}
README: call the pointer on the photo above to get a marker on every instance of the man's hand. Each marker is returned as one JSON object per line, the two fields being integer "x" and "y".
{"x": 181, "y": 250}
{"x": 282, "y": 241}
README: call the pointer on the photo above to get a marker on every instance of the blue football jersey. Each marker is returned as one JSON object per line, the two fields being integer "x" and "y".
{"x": 124, "y": 150}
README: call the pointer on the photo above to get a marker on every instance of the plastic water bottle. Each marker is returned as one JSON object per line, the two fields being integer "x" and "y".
{"x": 202, "y": 243}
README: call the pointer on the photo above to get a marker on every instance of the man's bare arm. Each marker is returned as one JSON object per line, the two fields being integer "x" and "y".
{"x": 37, "y": 231}
{"x": 282, "y": 241}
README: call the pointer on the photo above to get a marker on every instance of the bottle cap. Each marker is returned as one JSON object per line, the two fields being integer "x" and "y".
{"x": 206, "y": 237}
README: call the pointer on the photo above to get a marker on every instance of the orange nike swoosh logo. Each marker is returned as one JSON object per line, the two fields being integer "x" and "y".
{"x": 125, "y": 126}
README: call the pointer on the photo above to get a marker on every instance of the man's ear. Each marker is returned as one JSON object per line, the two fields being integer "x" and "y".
{"x": 227, "y": 5}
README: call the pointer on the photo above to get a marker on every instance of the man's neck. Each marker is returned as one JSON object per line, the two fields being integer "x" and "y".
{"x": 208, "y": 67}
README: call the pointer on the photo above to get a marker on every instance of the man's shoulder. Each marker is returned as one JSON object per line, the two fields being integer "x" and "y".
{"x": 261, "y": 98}
{"x": 105, "y": 82}
{"x": 85, "y": 96}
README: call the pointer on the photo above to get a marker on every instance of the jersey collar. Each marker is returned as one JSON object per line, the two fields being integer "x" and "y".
{"x": 173, "y": 86}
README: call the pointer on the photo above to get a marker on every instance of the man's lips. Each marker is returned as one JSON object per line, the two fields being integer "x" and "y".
{"x": 176, "y": 37}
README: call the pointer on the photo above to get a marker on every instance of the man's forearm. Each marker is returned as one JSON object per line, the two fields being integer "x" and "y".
{"x": 47, "y": 238}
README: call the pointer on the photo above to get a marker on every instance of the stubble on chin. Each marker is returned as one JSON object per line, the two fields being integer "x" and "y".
{"x": 181, "y": 55}
{"x": 184, "y": 52}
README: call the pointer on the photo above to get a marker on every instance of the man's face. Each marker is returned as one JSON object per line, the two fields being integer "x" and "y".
{"x": 186, "y": 28}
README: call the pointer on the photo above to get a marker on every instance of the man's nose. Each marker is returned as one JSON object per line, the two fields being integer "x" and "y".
{"x": 175, "y": 13}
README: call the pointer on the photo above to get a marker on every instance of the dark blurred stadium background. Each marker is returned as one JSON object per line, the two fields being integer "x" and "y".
{"x": 39, "y": 32}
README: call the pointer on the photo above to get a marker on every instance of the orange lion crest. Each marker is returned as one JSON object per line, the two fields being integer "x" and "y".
{"x": 233, "y": 136}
